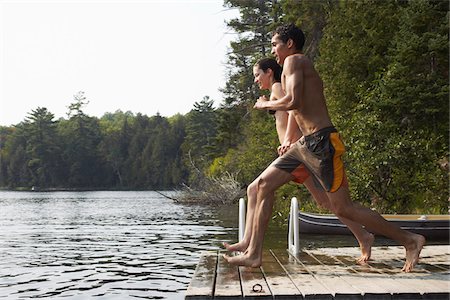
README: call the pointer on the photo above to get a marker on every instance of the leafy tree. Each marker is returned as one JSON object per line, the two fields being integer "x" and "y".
{"x": 15, "y": 158}
{"x": 353, "y": 51}
{"x": 19, "y": 173}
{"x": 311, "y": 16}
{"x": 178, "y": 172}
{"x": 251, "y": 158}
{"x": 118, "y": 151}
{"x": 253, "y": 42}
{"x": 5, "y": 134}
{"x": 135, "y": 174}
{"x": 234, "y": 116}
{"x": 404, "y": 145}
{"x": 116, "y": 137}
{"x": 382, "y": 65}
{"x": 155, "y": 158}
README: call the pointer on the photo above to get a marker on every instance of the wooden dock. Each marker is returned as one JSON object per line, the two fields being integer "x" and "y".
{"x": 325, "y": 273}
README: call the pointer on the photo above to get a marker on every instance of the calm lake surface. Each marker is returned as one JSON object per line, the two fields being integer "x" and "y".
{"x": 112, "y": 245}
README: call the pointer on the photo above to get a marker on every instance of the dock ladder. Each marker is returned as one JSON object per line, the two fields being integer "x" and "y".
{"x": 293, "y": 232}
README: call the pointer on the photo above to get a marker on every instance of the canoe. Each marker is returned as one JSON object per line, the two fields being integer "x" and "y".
{"x": 430, "y": 226}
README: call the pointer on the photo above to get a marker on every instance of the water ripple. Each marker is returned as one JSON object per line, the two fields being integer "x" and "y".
{"x": 103, "y": 245}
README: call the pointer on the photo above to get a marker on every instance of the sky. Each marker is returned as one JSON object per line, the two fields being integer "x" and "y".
{"x": 140, "y": 56}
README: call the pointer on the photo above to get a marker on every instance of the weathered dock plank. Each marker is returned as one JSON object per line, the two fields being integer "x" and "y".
{"x": 367, "y": 288}
{"x": 202, "y": 283}
{"x": 254, "y": 285}
{"x": 339, "y": 287}
{"x": 306, "y": 283}
{"x": 228, "y": 283}
{"x": 325, "y": 273}
{"x": 427, "y": 278}
{"x": 381, "y": 276}
{"x": 277, "y": 278}
{"x": 385, "y": 271}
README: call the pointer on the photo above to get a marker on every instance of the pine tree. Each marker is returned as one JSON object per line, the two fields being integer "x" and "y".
{"x": 43, "y": 151}
{"x": 201, "y": 130}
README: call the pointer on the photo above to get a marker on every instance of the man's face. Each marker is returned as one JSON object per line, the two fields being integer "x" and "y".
{"x": 279, "y": 49}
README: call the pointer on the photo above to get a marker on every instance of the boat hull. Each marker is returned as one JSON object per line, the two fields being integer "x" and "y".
{"x": 432, "y": 227}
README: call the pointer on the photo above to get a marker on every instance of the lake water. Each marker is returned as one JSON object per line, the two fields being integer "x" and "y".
{"x": 103, "y": 245}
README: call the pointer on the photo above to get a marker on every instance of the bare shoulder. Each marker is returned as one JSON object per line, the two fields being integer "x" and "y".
{"x": 277, "y": 91}
{"x": 295, "y": 63}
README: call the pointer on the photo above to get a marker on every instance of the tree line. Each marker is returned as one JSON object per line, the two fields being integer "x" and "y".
{"x": 384, "y": 65}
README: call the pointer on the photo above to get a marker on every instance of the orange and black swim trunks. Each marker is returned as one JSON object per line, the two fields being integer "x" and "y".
{"x": 321, "y": 153}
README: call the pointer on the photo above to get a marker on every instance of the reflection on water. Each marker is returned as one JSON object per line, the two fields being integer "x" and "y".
{"x": 107, "y": 245}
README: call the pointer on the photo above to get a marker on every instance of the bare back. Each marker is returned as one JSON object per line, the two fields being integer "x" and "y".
{"x": 303, "y": 83}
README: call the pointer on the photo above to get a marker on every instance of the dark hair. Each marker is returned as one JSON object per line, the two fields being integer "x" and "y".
{"x": 270, "y": 63}
{"x": 290, "y": 31}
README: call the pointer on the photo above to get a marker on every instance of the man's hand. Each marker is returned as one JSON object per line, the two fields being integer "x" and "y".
{"x": 283, "y": 148}
{"x": 260, "y": 103}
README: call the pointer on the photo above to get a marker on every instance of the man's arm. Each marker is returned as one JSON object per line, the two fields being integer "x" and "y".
{"x": 293, "y": 74}
{"x": 292, "y": 135}
{"x": 291, "y": 131}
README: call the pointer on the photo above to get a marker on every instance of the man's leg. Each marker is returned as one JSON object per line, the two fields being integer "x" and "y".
{"x": 345, "y": 208}
{"x": 364, "y": 238}
{"x": 270, "y": 180}
{"x": 251, "y": 204}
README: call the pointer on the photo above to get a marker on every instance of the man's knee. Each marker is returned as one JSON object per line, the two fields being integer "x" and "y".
{"x": 322, "y": 200}
{"x": 252, "y": 189}
{"x": 342, "y": 209}
{"x": 341, "y": 202}
{"x": 263, "y": 186}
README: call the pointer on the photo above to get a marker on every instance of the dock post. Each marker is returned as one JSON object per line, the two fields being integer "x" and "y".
{"x": 241, "y": 219}
{"x": 293, "y": 236}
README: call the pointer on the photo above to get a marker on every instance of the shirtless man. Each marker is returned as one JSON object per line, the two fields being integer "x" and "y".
{"x": 267, "y": 73}
{"x": 320, "y": 150}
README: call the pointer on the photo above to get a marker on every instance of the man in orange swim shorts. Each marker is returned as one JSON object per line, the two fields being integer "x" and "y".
{"x": 321, "y": 153}
{"x": 319, "y": 150}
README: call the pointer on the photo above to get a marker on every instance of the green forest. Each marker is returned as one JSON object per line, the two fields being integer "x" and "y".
{"x": 385, "y": 70}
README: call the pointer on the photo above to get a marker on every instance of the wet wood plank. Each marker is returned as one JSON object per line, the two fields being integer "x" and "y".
{"x": 381, "y": 276}
{"x": 202, "y": 283}
{"x": 280, "y": 284}
{"x": 425, "y": 278}
{"x": 349, "y": 275}
{"x": 228, "y": 284}
{"x": 254, "y": 285}
{"x": 306, "y": 283}
{"x": 325, "y": 273}
{"x": 384, "y": 269}
{"x": 339, "y": 287}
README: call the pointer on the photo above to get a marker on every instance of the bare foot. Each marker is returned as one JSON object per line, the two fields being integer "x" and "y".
{"x": 366, "y": 249}
{"x": 240, "y": 247}
{"x": 243, "y": 260}
{"x": 413, "y": 252}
